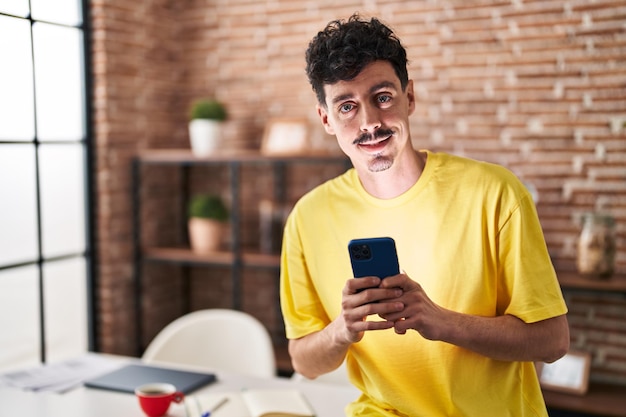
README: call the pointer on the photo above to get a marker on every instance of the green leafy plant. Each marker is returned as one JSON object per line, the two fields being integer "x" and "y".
{"x": 208, "y": 206}
{"x": 208, "y": 109}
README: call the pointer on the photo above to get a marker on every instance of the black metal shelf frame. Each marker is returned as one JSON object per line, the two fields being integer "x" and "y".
{"x": 234, "y": 165}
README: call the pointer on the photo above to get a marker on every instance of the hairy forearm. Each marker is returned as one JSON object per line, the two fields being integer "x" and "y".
{"x": 508, "y": 338}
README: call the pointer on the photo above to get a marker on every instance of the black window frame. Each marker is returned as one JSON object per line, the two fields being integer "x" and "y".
{"x": 90, "y": 194}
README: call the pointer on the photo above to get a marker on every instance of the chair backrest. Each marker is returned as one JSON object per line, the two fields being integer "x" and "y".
{"x": 216, "y": 339}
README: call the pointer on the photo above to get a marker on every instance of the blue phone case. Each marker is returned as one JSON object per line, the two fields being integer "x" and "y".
{"x": 374, "y": 257}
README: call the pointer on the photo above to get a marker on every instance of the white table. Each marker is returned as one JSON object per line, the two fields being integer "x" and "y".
{"x": 327, "y": 400}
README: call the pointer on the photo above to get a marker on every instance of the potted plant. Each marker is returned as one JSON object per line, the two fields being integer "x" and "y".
{"x": 207, "y": 216}
{"x": 206, "y": 119}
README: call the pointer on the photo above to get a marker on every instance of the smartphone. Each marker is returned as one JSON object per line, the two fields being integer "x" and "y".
{"x": 375, "y": 256}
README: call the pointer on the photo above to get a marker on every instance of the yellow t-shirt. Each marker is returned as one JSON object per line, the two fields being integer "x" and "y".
{"x": 469, "y": 234}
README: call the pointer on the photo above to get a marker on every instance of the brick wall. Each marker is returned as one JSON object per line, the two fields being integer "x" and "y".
{"x": 538, "y": 86}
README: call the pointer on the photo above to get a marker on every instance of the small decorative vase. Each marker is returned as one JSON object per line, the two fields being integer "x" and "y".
{"x": 204, "y": 135}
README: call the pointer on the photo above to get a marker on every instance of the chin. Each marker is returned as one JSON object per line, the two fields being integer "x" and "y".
{"x": 380, "y": 163}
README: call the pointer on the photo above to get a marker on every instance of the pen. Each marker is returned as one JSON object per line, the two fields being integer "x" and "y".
{"x": 215, "y": 407}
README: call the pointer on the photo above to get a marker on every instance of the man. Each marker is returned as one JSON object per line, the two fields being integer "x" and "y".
{"x": 456, "y": 333}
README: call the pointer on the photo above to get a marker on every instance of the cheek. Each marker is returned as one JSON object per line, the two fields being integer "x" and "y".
{"x": 345, "y": 140}
{"x": 346, "y": 147}
{"x": 345, "y": 127}
{"x": 346, "y": 133}
{"x": 338, "y": 127}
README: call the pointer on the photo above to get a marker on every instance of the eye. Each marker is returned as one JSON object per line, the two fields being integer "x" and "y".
{"x": 346, "y": 107}
{"x": 383, "y": 98}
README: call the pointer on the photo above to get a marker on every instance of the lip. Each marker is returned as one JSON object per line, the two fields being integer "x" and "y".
{"x": 375, "y": 146}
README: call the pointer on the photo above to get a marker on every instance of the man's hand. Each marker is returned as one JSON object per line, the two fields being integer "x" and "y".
{"x": 323, "y": 351}
{"x": 419, "y": 312}
{"x": 363, "y": 297}
{"x": 504, "y": 337}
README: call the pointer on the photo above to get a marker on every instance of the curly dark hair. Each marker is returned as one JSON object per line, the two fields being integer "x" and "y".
{"x": 344, "y": 48}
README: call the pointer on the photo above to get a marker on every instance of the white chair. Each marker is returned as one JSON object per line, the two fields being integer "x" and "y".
{"x": 217, "y": 339}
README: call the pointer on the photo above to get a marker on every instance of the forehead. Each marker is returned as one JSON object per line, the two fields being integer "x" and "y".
{"x": 375, "y": 76}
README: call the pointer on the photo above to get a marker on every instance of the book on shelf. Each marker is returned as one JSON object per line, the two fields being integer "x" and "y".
{"x": 267, "y": 402}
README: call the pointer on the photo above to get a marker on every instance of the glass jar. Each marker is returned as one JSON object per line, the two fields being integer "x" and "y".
{"x": 596, "y": 245}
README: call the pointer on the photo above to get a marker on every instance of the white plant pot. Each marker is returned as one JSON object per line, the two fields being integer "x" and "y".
{"x": 205, "y": 235}
{"x": 204, "y": 135}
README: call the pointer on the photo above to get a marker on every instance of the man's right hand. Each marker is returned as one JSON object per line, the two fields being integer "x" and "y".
{"x": 362, "y": 297}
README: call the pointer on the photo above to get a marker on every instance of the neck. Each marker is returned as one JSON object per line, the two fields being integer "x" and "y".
{"x": 402, "y": 175}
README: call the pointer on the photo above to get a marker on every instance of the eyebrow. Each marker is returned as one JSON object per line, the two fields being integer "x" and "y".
{"x": 383, "y": 84}
{"x": 373, "y": 89}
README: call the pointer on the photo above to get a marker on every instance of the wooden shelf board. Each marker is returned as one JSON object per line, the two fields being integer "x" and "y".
{"x": 188, "y": 256}
{"x": 574, "y": 280}
{"x": 184, "y": 156}
{"x": 261, "y": 260}
{"x": 567, "y": 279}
{"x": 185, "y": 255}
{"x": 600, "y": 399}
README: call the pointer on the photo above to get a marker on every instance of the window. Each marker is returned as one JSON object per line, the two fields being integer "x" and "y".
{"x": 45, "y": 254}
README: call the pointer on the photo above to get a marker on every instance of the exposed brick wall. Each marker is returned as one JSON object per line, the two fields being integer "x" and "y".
{"x": 136, "y": 75}
{"x": 538, "y": 86}
{"x": 597, "y": 325}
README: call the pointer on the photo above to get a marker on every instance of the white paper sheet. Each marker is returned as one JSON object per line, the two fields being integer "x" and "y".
{"x": 60, "y": 376}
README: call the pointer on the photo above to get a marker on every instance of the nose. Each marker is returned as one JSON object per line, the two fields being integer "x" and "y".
{"x": 370, "y": 118}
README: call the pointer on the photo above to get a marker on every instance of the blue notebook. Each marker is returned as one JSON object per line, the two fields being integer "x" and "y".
{"x": 129, "y": 377}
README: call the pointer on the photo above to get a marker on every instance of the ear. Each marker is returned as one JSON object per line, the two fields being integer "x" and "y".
{"x": 323, "y": 114}
{"x": 410, "y": 95}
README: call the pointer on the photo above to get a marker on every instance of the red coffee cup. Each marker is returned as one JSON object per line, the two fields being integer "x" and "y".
{"x": 155, "y": 398}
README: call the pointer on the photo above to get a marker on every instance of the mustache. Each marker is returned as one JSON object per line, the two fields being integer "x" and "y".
{"x": 367, "y": 136}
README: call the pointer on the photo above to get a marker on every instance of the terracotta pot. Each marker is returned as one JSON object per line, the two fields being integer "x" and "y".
{"x": 205, "y": 235}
